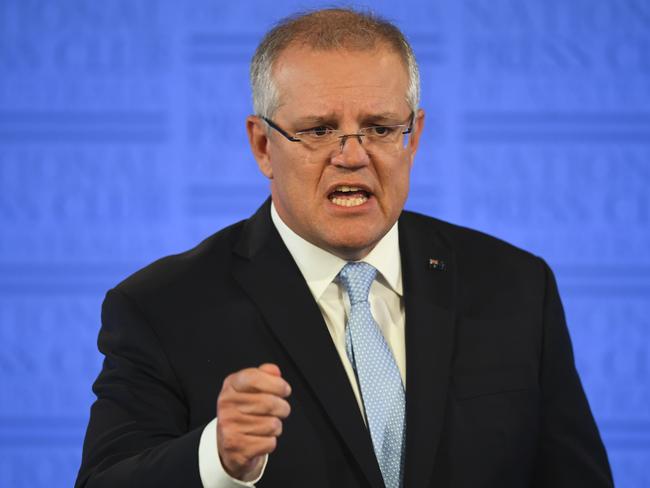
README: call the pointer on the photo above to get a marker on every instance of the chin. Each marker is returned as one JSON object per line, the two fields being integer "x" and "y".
{"x": 352, "y": 248}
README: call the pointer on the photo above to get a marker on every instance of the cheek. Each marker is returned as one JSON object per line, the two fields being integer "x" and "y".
{"x": 312, "y": 171}
{"x": 307, "y": 160}
{"x": 396, "y": 179}
{"x": 299, "y": 180}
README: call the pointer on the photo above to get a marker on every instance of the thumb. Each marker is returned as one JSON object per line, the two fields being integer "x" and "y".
{"x": 271, "y": 369}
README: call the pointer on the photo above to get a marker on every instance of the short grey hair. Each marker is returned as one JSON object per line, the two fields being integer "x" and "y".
{"x": 328, "y": 29}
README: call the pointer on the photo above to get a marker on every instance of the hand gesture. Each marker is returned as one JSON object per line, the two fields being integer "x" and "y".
{"x": 250, "y": 410}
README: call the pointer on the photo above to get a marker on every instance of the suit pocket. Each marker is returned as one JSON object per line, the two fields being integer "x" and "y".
{"x": 471, "y": 384}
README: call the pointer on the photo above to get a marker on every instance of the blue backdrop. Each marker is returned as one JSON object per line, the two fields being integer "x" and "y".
{"x": 122, "y": 139}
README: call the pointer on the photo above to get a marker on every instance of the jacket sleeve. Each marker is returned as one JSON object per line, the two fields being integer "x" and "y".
{"x": 138, "y": 431}
{"x": 571, "y": 453}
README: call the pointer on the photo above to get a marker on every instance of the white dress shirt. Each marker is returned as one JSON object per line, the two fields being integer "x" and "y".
{"x": 320, "y": 270}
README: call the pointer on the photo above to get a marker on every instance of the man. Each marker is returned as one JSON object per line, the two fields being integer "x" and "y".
{"x": 333, "y": 339}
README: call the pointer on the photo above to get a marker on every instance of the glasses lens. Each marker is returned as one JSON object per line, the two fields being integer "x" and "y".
{"x": 384, "y": 134}
{"x": 380, "y": 137}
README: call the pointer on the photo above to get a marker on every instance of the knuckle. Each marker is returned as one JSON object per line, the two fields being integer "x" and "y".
{"x": 255, "y": 382}
{"x": 223, "y": 414}
{"x": 273, "y": 426}
{"x": 228, "y": 425}
{"x": 244, "y": 374}
{"x": 225, "y": 426}
{"x": 228, "y": 381}
{"x": 239, "y": 380}
{"x": 249, "y": 404}
{"x": 268, "y": 405}
{"x": 222, "y": 401}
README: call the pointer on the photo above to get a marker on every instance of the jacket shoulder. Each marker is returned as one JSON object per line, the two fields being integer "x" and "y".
{"x": 494, "y": 279}
{"x": 186, "y": 268}
{"x": 464, "y": 239}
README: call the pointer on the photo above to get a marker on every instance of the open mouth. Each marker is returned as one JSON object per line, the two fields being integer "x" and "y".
{"x": 349, "y": 196}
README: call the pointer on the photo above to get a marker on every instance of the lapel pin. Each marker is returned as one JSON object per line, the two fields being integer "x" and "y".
{"x": 436, "y": 264}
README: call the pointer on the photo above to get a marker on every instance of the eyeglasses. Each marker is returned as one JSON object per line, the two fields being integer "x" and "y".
{"x": 379, "y": 136}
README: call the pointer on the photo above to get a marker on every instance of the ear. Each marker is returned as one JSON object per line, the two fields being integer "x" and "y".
{"x": 258, "y": 138}
{"x": 416, "y": 132}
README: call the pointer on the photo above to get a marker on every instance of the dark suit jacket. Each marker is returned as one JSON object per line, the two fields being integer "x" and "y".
{"x": 493, "y": 398}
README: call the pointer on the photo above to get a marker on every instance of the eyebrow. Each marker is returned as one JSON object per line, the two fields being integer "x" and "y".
{"x": 315, "y": 119}
{"x": 331, "y": 118}
{"x": 383, "y": 117}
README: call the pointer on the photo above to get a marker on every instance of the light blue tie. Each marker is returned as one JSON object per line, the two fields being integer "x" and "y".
{"x": 379, "y": 378}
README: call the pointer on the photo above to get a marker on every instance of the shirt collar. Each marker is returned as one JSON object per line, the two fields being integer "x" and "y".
{"x": 320, "y": 267}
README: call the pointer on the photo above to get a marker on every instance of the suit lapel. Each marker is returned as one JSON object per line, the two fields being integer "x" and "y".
{"x": 429, "y": 299}
{"x": 268, "y": 274}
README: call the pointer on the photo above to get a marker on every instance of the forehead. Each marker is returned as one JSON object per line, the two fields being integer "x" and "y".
{"x": 312, "y": 81}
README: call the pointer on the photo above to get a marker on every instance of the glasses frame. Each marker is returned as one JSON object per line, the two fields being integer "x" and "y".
{"x": 342, "y": 137}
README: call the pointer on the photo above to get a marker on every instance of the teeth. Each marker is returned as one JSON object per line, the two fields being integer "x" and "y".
{"x": 347, "y": 188}
{"x": 349, "y": 202}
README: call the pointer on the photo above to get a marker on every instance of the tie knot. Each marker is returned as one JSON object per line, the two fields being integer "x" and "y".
{"x": 357, "y": 279}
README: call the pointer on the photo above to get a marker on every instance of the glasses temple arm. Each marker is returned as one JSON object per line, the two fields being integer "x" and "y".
{"x": 273, "y": 125}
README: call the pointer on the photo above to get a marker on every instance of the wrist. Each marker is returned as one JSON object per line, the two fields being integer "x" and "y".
{"x": 251, "y": 471}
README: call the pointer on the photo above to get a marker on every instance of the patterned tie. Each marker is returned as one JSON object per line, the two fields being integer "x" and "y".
{"x": 379, "y": 378}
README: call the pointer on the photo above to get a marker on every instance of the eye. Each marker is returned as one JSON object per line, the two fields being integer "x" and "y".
{"x": 320, "y": 131}
{"x": 381, "y": 130}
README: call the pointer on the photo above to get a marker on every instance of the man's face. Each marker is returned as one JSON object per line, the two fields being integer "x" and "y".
{"x": 344, "y": 90}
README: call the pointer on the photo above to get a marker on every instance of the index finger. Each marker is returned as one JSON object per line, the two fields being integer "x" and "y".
{"x": 256, "y": 380}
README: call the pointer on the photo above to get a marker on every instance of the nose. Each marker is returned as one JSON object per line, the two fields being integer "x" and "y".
{"x": 352, "y": 152}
